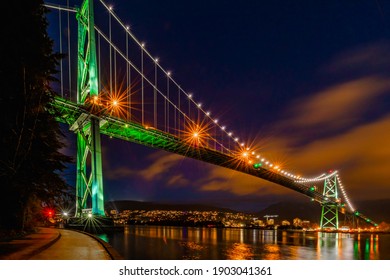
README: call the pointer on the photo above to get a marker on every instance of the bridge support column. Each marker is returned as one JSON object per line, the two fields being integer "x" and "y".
{"x": 81, "y": 183}
{"x": 89, "y": 189}
{"x": 329, "y": 216}
{"x": 96, "y": 169}
{"x": 330, "y": 210}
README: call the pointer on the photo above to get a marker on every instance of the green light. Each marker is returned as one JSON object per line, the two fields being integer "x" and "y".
{"x": 368, "y": 220}
{"x": 257, "y": 165}
{"x": 357, "y": 213}
{"x": 312, "y": 188}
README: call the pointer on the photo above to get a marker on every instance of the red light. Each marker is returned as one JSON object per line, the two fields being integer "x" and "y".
{"x": 49, "y": 213}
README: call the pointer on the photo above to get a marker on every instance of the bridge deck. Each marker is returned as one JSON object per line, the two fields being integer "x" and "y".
{"x": 69, "y": 112}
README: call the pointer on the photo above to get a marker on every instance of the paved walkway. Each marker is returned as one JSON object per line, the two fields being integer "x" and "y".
{"x": 57, "y": 244}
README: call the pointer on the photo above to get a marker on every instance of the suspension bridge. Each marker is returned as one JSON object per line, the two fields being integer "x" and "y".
{"x": 121, "y": 90}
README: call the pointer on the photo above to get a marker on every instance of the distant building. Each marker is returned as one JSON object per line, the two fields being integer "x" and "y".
{"x": 285, "y": 223}
{"x": 305, "y": 224}
{"x": 259, "y": 223}
{"x": 297, "y": 222}
{"x": 270, "y": 222}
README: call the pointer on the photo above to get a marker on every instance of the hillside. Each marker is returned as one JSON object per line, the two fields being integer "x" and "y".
{"x": 290, "y": 210}
{"x": 121, "y": 205}
{"x": 377, "y": 210}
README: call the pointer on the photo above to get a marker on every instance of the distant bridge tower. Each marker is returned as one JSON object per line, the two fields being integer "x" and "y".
{"x": 330, "y": 207}
{"x": 89, "y": 187}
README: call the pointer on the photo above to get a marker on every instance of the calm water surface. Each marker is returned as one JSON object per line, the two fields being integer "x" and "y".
{"x": 176, "y": 243}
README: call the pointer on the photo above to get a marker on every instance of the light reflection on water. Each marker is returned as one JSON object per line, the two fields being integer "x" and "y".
{"x": 164, "y": 243}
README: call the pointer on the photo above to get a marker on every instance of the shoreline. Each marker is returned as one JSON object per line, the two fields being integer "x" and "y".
{"x": 103, "y": 229}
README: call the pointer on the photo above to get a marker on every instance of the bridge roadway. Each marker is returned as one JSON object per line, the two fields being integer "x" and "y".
{"x": 57, "y": 244}
{"x": 75, "y": 115}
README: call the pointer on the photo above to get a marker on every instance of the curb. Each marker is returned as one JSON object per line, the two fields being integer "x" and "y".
{"x": 30, "y": 251}
{"x": 43, "y": 247}
{"x": 114, "y": 255}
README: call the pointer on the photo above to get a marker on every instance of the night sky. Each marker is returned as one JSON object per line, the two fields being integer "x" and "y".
{"x": 306, "y": 81}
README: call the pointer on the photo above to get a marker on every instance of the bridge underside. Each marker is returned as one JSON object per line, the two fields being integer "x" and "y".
{"x": 69, "y": 112}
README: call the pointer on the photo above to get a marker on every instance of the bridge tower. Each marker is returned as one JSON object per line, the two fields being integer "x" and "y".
{"x": 89, "y": 180}
{"x": 330, "y": 207}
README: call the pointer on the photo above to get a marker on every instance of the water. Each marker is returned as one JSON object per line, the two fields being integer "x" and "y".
{"x": 177, "y": 243}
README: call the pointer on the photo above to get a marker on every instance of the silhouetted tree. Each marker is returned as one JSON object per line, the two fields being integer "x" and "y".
{"x": 30, "y": 157}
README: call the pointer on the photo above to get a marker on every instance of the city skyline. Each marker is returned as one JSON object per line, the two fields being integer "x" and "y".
{"x": 313, "y": 96}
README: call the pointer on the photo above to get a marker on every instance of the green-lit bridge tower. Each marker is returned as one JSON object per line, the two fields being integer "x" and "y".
{"x": 330, "y": 208}
{"x": 89, "y": 187}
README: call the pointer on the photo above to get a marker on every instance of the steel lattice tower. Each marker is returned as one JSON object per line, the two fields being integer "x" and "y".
{"x": 89, "y": 187}
{"x": 330, "y": 210}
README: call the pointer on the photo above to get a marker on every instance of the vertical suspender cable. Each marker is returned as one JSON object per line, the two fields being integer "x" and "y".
{"x": 215, "y": 136}
{"x": 222, "y": 146}
{"x": 109, "y": 31}
{"x": 189, "y": 107}
{"x": 61, "y": 72}
{"x": 99, "y": 63}
{"x": 165, "y": 113}
{"x": 115, "y": 88}
{"x": 155, "y": 96}
{"x": 130, "y": 94}
{"x": 198, "y": 117}
{"x": 174, "y": 120}
{"x": 142, "y": 84}
{"x": 179, "y": 112}
{"x": 69, "y": 60}
{"x": 128, "y": 91}
{"x": 168, "y": 103}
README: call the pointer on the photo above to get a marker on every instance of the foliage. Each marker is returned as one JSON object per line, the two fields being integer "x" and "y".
{"x": 30, "y": 157}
